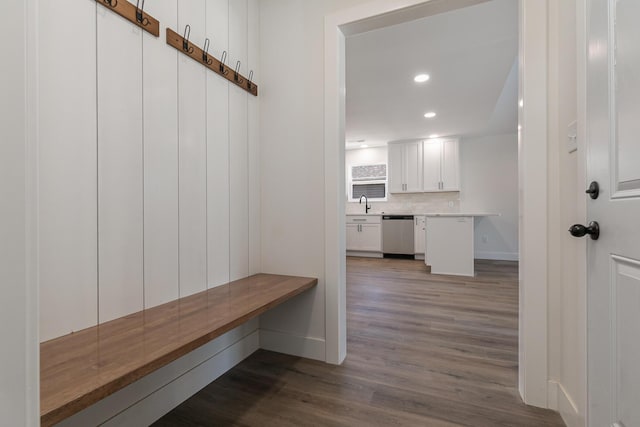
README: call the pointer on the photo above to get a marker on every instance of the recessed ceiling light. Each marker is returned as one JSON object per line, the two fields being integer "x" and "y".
{"x": 433, "y": 136}
{"x": 364, "y": 146}
{"x": 421, "y": 78}
{"x": 430, "y": 115}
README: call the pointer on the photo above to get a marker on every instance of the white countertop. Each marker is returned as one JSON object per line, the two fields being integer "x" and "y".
{"x": 458, "y": 214}
{"x": 432, "y": 214}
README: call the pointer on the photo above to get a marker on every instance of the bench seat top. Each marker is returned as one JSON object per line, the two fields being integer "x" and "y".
{"x": 79, "y": 369}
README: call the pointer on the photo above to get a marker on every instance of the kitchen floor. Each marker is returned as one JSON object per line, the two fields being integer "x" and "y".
{"x": 423, "y": 350}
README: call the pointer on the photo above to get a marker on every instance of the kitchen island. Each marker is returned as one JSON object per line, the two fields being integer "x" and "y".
{"x": 450, "y": 246}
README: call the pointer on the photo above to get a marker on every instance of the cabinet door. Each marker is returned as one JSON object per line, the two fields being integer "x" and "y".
{"x": 370, "y": 238}
{"x": 412, "y": 156}
{"x": 396, "y": 178}
{"x": 419, "y": 234}
{"x": 450, "y": 172}
{"x": 353, "y": 237}
{"x": 432, "y": 159}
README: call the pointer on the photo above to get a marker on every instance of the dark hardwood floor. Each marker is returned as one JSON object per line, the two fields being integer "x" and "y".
{"x": 423, "y": 350}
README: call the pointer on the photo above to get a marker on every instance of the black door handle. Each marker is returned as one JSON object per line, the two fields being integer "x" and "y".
{"x": 579, "y": 230}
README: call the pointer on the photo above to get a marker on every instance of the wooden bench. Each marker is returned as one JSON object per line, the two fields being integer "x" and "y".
{"x": 80, "y": 369}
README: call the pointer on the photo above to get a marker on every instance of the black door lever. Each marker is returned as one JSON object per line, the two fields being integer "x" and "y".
{"x": 579, "y": 230}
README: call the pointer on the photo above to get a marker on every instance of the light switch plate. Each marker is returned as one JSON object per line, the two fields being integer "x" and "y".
{"x": 572, "y": 137}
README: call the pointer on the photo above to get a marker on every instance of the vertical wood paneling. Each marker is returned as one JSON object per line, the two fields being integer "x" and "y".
{"x": 218, "y": 149}
{"x": 160, "y": 83}
{"x": 192, "y": 155}
{"x": 67, "y": 183}
{"x": 67, "y": 169}
{"x": 149, "y": 165}
{"x": 120, "y": 166}
{"x": 239, "y": 174}
{"x": 255, "y": 213}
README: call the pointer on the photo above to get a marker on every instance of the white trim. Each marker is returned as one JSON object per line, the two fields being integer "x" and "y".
{"x": 32, "y": 309}
{"x": 553, "y": 388}
{"x": 497, "y": 256}
{"x": 532, "y": 159}
{"x": 560, "y": 400}
{"x": 581, "y": 68}
{"x": 533, "y": 368}
{"x": 308, "y": 347}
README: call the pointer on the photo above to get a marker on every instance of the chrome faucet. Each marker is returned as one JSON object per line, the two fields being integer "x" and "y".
{"x": 367, "y": 206}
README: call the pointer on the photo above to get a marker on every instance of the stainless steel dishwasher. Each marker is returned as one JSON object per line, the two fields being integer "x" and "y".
{"x": 397, "y": 235}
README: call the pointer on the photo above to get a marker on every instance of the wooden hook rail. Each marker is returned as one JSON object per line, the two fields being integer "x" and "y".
{"x": 197, "y": 54}
{"x": 134, "y": 14}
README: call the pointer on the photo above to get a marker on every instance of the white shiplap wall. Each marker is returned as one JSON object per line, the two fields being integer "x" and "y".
{"x": 148, "y": 162}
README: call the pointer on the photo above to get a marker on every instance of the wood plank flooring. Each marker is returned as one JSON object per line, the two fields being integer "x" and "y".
{"x": 423, "y": 350}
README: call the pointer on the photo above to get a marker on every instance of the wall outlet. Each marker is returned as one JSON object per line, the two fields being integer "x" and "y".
{"x": 485, "y": 239}
{"x": 450, "y": 204}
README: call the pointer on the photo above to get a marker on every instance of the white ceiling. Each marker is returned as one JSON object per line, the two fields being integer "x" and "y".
{"x": 471, "y": 57}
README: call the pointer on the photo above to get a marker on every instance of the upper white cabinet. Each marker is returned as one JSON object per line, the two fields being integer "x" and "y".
{"x": 441, "y": 165}
{"x": 405, "y": 167}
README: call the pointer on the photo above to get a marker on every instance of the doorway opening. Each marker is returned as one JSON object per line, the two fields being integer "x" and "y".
{"x": 340, "y": 29}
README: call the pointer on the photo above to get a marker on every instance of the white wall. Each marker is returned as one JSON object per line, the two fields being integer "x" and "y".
{"x": 489, "y": 183}
{"x": 567, "y": 289}
{"x": 292, "y": 138}
{"x": 18, "y": 358}
{"x": 141, "y": 198}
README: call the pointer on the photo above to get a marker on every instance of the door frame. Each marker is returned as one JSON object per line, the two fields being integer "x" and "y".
{"x": 533, "y": 348}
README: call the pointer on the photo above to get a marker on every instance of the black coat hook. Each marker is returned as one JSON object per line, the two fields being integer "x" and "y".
{"x": 185, "y": 39}
{"x": 205, "y": 53}
{"x": 250, "y": 79}
{"x": 223, "y": 58}
{"x": 139, "y": 16}
{"x": 112, "y": 3}
{"x": 237, "y": 74}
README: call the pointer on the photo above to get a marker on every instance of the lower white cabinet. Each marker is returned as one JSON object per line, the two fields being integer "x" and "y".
{"x": 419, "y": 233}
{"x": 364, "y": 233}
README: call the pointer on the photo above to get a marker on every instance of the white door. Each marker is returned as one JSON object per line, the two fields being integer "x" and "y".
{"x": 450, "y": 161}
{"x": 413, "y": 166}
{"x": 432, "y": 160}
{"x": 396, "y": 174}
{"x": 353, "y": 237}
{"x": 613, "y": 142}
{"x": 370, "y": 238}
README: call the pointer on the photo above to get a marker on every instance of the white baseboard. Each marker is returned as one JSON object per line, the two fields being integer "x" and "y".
{"x": 154, "y": 395}
{"x": 365, "y": 254}
{"x": 552, "y": 394}
{"x": 560, "y": 400}
{"x": 497, "y": 256}
{"x": 310, "y": 348}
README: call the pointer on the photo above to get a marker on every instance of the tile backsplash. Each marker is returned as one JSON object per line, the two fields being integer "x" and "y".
{"x": 410, "y": 203}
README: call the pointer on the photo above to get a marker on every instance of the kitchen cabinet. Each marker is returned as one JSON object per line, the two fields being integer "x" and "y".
{"x": 364, "y": 234}
{"x": 405, "y": 167}
{"x": 449, "y": 246}
{"x": 441, "y": 165}
{"x": 419, "y": 239}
